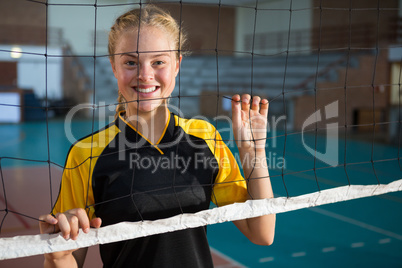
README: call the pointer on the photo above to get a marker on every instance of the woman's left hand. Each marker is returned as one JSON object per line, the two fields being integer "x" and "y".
{"x": 250, "y": 130}
{"x": 250, "y": 123}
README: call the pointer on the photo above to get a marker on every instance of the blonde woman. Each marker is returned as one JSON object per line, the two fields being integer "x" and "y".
{"x": 113, "y": 175}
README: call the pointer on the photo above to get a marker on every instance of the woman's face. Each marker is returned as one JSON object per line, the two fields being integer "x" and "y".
{"x": 145, "y": 66}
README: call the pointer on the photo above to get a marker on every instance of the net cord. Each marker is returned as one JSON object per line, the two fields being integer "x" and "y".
{"x": 24, "y": 246}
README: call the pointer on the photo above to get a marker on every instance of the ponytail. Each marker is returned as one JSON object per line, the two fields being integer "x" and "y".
{"x": 121, "y": 105}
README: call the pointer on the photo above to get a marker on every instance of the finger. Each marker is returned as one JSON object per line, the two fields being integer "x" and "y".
{"x": 264, "y": 108}
{"x": 83, "y": 220}
{"x": 64, "y": 225}
{"x": 48, "y": 218}
{"x": 236, "y": 106}
{"x": 74, "y": 227}
{"x": 235, "y": 98}
{"x": 96, "y": 222}
{"x": 236, "y": 103}
{"x": 255, "y": 106}
{"x": 245, "y": 102}
{"x": 236, "y": 116}
{"x": 47, "y": 224}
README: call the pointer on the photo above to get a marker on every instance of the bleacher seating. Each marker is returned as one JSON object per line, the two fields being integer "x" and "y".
{"x": 272, "y": 76}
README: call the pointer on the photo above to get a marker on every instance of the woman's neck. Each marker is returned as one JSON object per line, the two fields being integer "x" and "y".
{"x": 149, "y": 124}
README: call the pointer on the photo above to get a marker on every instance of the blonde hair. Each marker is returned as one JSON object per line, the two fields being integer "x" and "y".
{"x": 149, "y": 15}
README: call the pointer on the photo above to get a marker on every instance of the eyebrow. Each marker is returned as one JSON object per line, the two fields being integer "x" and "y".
{"x": 135, "y": 55}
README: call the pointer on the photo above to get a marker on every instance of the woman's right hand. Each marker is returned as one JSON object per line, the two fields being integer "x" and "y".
{"x": 68, "y": 223}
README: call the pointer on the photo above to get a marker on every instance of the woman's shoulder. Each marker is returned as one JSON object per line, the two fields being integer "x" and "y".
{"x": 87, "y": 145}
{"x": 195, "y": 125}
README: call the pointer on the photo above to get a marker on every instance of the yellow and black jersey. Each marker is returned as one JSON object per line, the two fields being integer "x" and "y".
{"x": 117, "y": 174}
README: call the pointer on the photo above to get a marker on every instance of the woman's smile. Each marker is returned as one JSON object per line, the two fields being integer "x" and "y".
{"x": 146, "y": 89}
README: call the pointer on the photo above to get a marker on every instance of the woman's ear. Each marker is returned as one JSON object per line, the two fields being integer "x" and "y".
{"x": 178, "y": 62}
{"x": 111, "y": 60}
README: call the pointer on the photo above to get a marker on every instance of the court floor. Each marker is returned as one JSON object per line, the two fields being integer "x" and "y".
{"x": 359, "y": 233}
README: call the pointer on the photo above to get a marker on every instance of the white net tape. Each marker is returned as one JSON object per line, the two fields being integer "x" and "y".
{"x": 24, "y": 246}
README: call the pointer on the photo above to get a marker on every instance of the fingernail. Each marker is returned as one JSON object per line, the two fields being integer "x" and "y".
{"x": 67, "y": 237}
{"x": 86, "y": 230}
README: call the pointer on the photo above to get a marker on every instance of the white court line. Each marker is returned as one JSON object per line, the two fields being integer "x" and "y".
{"x": 357, "y": 245}
{"x": 299, "y": 254}
{"x": 329, "y": 249}
{"x": 357, "y": 223}
{"x": 229, "y": 265}
{"x": 266, "y": 259}
{"x": 384, "y": 241}
{"x": 223, "y": 256}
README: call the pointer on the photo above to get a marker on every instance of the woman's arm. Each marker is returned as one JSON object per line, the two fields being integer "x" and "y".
{"x": 73, "y": 258}
{"x": 68, "y": 223}
{"x": 250, "y": 130}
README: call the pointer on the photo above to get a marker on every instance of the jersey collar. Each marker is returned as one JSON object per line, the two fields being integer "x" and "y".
{"x": 133, "y": 135}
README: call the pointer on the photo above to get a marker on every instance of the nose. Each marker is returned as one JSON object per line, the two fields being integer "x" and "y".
{"x": 145, "y": 72}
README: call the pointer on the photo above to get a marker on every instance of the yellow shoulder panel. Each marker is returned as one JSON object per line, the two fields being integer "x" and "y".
{"x": 230, "y": 186}
{"x": 76, "y": 185}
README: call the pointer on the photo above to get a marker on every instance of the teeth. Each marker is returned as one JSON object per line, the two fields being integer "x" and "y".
{"x": 146, "y": 90}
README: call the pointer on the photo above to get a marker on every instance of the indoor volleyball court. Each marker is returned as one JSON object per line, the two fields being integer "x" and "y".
{"x": 330, "y": 70}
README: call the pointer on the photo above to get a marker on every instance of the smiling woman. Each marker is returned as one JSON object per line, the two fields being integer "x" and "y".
{"x": 151, "y": 164}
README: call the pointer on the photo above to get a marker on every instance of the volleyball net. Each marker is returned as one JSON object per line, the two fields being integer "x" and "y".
{"x": 334, "y": 91}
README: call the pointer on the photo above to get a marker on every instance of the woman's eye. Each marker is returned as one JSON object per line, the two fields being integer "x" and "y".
{"x": 131, "y": 63}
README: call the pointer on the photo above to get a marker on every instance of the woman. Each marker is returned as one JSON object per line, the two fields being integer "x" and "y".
{"x": 150, "y": 164}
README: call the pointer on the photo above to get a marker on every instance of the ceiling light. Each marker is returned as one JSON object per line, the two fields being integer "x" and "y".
{"x": 16, "y": 52}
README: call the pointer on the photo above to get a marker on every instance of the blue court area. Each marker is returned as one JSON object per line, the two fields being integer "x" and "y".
{"x": 359, "y": 233}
